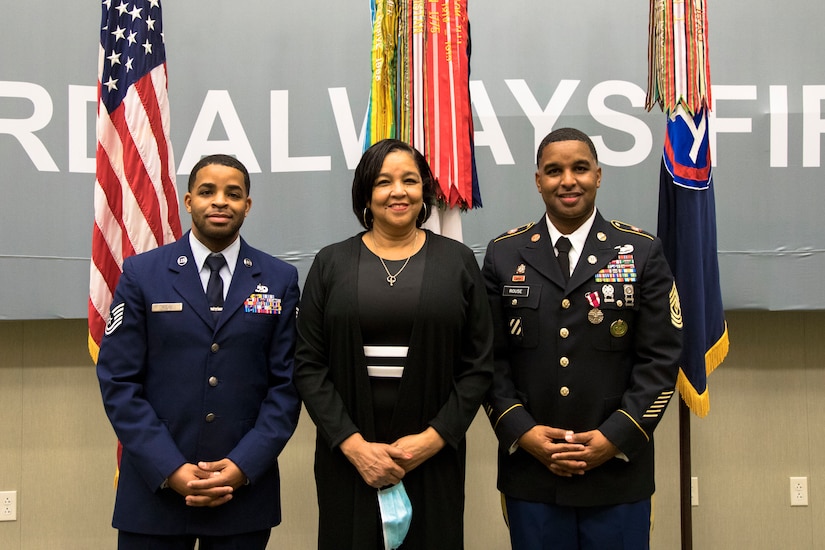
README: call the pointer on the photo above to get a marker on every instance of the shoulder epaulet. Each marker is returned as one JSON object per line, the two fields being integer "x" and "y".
{"x": 627, "y": 228}
{"x": 515, "y": 231}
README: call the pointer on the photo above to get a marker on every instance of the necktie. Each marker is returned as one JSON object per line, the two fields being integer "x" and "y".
{"x": 563, "y": 246}
{"x": 214, "y": 288}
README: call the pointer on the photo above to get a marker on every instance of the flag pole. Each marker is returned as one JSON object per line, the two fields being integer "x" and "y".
{"x": 684, "y": 476}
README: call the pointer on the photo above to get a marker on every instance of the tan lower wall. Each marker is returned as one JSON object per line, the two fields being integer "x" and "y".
{"x": 766, "y": 424}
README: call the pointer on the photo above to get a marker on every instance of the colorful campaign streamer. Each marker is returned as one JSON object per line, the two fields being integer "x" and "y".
{"x": 420, "y": 89}
{"x": 679, "y": 68}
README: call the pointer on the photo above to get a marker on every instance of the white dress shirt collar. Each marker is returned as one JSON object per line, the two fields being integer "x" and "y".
{"x": 200, "y": 253}
{"x": 577, "y": 238}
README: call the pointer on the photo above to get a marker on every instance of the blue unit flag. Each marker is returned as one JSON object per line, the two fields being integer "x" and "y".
{"x": 687, "y": 227}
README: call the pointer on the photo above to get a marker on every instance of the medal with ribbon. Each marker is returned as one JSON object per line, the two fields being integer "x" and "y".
{"x": 593, "y": 299}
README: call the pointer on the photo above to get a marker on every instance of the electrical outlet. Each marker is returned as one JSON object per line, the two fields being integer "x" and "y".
{"x": 8, "y": 505}
{"x": 694, "y": 491}
{"x": 799, "y": 491}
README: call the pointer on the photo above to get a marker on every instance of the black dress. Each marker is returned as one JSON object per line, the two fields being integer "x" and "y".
{"x": 447, "y": 371}
{"x": 386, "y": 313}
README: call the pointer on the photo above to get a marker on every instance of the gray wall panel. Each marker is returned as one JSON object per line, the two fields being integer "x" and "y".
{"x": 768, "y": 215}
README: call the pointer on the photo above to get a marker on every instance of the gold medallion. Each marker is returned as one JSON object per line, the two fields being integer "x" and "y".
{"x": 618, "y": 328}
{"x": 595, "y": 316}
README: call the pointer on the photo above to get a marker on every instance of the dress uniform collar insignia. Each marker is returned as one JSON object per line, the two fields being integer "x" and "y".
{"x": 247, "y": 262}
{"x": 182, "y": 260}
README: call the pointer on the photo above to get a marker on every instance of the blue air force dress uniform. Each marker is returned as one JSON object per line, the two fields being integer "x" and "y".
{"x": 600, "y": 352}
{"x": 179, "y": 386}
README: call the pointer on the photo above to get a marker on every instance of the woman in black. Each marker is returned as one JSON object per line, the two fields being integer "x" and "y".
{"x": 394, "y": 356}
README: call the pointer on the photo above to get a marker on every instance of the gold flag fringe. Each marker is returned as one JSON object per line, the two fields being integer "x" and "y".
{"x": 699, "y": 403}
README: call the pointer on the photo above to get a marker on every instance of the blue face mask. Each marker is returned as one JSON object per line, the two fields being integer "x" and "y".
{"x": 396, "y": 515}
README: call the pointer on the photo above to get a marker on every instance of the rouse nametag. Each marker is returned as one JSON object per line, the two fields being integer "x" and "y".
{"x": 517, "y": 291}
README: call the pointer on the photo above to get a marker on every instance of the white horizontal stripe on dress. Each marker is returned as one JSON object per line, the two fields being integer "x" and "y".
{"x": 386, "y": 351}
{"x": 385, "y": 372}
{"x": 389, "y": 359}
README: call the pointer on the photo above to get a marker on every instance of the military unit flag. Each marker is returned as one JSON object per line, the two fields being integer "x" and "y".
{"x": 679, "y": 83}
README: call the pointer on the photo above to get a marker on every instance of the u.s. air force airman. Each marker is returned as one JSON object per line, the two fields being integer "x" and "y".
{"x": 586, "y": 362}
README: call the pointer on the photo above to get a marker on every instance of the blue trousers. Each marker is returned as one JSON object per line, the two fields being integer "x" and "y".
{"x": 541, "y": 526}
{"x": 245, "y": 541}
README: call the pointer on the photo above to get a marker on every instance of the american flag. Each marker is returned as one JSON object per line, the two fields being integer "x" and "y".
{"x": 135, "y": 199}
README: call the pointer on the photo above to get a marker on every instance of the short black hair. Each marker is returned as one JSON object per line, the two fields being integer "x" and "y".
{"x": 369, "y": 168}
{"x": 223, "y": 160}
{"x": 566, "y": 134}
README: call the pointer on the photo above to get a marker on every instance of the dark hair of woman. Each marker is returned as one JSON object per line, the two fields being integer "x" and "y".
{"x": 368, "y": 170}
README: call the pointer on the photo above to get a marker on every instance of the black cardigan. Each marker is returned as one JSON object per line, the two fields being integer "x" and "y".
{"x": 448, "y": 370}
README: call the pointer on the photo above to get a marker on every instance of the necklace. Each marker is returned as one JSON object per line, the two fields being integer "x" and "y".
{"x": 390, "y": 277}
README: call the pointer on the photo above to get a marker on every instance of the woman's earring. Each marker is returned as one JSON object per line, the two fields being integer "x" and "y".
{"x": 423, "y": 209}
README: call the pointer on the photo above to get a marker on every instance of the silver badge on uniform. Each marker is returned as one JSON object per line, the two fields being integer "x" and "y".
{"x": 628, "y": 295}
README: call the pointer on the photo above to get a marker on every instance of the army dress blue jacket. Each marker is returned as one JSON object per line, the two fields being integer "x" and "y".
{"x": 600, "y": 351}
